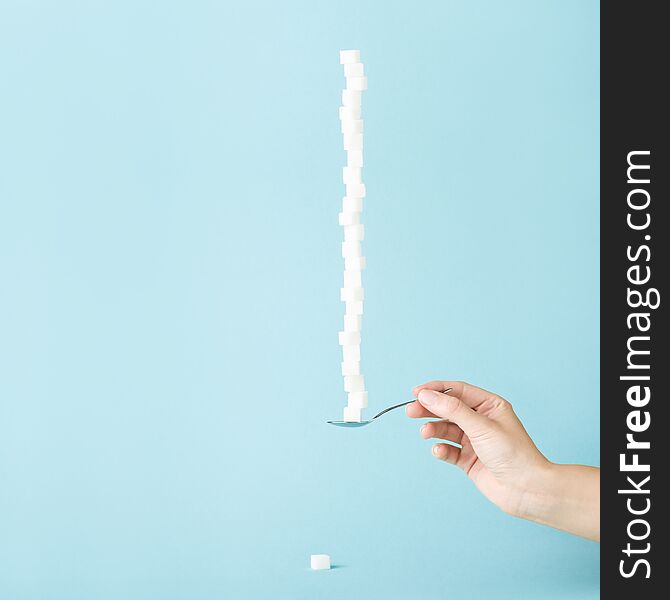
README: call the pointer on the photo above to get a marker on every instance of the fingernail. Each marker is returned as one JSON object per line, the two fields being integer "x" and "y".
{"x": 436, "y": 450}
{"x": 423, "y": 428}
{"x": 428, "y": 397}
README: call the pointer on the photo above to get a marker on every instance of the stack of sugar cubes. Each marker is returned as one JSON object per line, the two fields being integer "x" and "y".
{"x": 350, "y": 220}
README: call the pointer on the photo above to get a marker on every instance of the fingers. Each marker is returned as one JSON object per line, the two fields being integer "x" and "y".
{"x": 417, "y": 411}
{"x": 449, "y": 407}
{"x": 442, "y": 430}
{"x": 472, "y": 395}
{"x": 447, "y": 453}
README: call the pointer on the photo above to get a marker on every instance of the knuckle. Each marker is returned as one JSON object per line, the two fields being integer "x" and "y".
{"x": 501, "y": 405}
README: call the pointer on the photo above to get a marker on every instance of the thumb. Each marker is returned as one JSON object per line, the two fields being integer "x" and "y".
{"x": 455, "y": 410}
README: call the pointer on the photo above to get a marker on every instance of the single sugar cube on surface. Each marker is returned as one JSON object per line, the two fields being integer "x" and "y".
{"x": 350, "y": 113}
{"x": 350, "y": 205}
{"x": 355, "y": 158}
{"x": 352, "y": 278}
{"x": 355, "y": 190}
{"x": 350, "y": 56}
{"x": 349, "y": 338}
{"x": 351, "y": 414}
{"x": 351, "y": 98}
{"x": 354, "y": 383}
{"x": 352, "y": 294}
{"x": 352, "y": 174}
{"x": 358, "y": 399}
{"x": 354, "y": 233}
{"x": 352, "y": 322}
{"x": 351, "y": 354}
{"x": 319, "y": 562}
{"x": 353, "y": 141}
{"x": 349, "y": 218}
{"x": 354, "y": 263}
{"x": 354, "y": 70}
{"x": 351, "y": 368}
{"x": 357, "y": 83}
{"x": 350, "y": 126}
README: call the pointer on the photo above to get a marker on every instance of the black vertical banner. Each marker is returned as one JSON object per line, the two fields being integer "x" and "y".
{"x": 635, "y": 360}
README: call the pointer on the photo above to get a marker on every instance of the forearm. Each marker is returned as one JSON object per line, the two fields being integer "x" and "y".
{"x": 566, "y": 497}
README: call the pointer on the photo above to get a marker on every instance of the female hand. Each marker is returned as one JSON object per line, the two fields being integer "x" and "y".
{"x": 499, "y": 456}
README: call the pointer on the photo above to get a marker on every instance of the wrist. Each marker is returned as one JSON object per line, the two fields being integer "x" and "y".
{"x": 566, "y": 497}
{"x": 541, "y": 494}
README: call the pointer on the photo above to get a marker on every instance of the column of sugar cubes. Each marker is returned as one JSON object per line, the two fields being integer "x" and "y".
{"x": 350, "y": 220}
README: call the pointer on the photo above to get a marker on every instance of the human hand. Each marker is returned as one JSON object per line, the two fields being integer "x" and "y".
{"x": 499, "y": 456}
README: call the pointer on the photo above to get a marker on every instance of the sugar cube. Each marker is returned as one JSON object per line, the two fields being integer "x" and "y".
{"x": 352, "y": 322}
{"x": 354, "y": 383}
{"x": 350, "y": 56}
{"x": 358, "y": 399}
{"x": 352, "y": 278}
{"x": 352, "y": 367}
{"x": 354, "y": 233}
{"x": 355, "y": 158}
{"x": 356, "y": 190}
{"x": 349, "y": 338}
{"x": 351, "y": 249}
{"x": 352, "y": 174}
{"x": 319, "y": 562}
{"x": 350, "y": 113}
{"x": 354, "y": 307}
{"x": 352, "y": 204}
{"x": 349, "y": 218}
{"x": 351, "y": 98}
{"x": 353, "y": 141}
{"x": 354, "y": 70}
{"x": 354, "y": 263}
{"x": 352, "y": 294}
{"x": 357, "y": 83}
{"x": 351, "y": 354}
{"x": 350, "y": 126}
{"x": 351, "y": 414}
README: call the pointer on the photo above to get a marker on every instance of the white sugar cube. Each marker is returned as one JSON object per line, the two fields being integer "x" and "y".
{"x": 352, "y": 278}
{"x": 356, "y": 190}
{"x": 349, "y": 218}
{"x": 319, "y": 562}
{"x": 354, "y": 263}
{"x": 350, "y": 126}
{"x": 354, "y": 70}
{"x": 355, "y": 158}
{"x": 350, "y": 205}
{"x": 351, "y": 414}
{"x": 350, "y": 56}
{"x": 352, "y": 294}
{"x": 351, "y": 368}
{"x": 349, "y": 338}
{"x": 354, "y": 233}
{"x": 351, "y": 354}
{"x": 358, "y": 399}
{"x": 354, "y": 307}
{"x": 351, "y": 249}
{"x": 352, "y": 322}
{"x": 357, "y": 83}
{"x": 354, "y": 383}
{"x": 351, "y": 98}
{"x": 353, "y": 141}
{"x": 350, "y": 113}
{"x": 352, "y": 174}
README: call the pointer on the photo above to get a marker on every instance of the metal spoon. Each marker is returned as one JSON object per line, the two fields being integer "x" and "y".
{"x": 363, "y": 423}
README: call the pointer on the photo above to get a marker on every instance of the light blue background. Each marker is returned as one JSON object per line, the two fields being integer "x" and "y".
{"x": 169, "y": 293}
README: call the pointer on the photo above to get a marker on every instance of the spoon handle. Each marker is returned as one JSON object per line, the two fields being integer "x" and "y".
{"x": 391, "y": 408}
{"x": 402, "y": 404}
